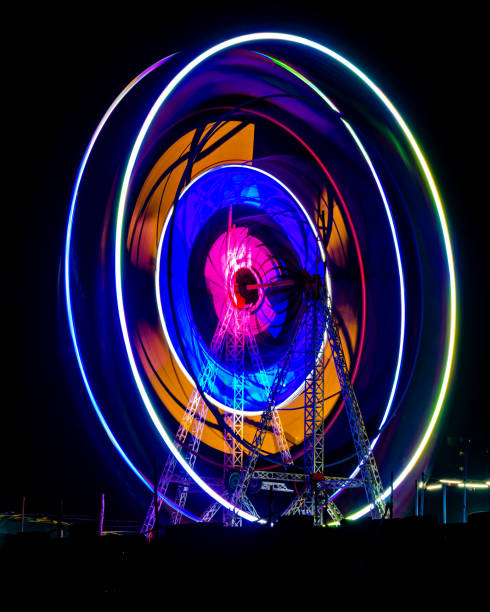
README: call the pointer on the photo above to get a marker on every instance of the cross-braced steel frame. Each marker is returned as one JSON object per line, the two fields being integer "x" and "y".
{"x": 318, "y": 326}
{"x": 233, "y": 335}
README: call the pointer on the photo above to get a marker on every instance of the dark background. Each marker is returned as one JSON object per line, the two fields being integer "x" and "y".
{"x": 62, "y": 72}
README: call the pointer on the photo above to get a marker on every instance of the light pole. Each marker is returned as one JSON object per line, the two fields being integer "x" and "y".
{"x": 444, "y": 494}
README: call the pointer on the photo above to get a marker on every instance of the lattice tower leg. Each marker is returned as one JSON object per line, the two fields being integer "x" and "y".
{"x": 239, "y": 494}
{"x": 210, "y": 512}
{"x": 297, "y": 506}
{"x": 165, "y": 478}
{"x": 367, "y": 464}
{"x": 333, "y": 511}
{"x": 194, "y": 443}
{"x": 235, "y": 359}
{"x": 187, "y": 422}
{"x": 314, "y": 400}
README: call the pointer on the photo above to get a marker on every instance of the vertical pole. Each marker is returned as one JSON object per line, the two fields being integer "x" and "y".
{"x": 444, "y": 491}
{"x": 417, "y": 497}
{"x": 465, "y": 516}
{"x": 271, "y": 490}
{"x": 23, "y": 514}
{"x": 102, "y": 508}
{"x": 314, "y": 397}
{"x": 156, "y": 527}
{"x": 391, "y": 496}
{"x": 422, "y": 491}
{"x": 315, "y": 506}
{"x": 60, "y": 518}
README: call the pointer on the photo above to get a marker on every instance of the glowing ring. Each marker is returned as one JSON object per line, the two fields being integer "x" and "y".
{"x": 120, "y": 215}
{"x": 418, "y": 154}
{"x": 175, "y": 355}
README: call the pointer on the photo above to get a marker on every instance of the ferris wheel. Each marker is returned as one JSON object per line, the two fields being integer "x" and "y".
{"x": 254, "y": 286}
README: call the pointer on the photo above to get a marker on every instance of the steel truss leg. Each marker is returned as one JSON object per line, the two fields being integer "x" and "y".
{"x": 367, "y": 464}
{"x": 314, "y": 400}
{"x": 195, "y": 441}
{"x": 334, "y": 513}
{"x": 239, "y": 497}
{"x": 277, "y": 428}
{"x": 189, "y": 423}
{"x": 235, "y": 359}
{"x": 210, "y": 512}
{"x": 319, "y": 316}
{"x": 162, "y": 487}
{"x": 304, "y": 504}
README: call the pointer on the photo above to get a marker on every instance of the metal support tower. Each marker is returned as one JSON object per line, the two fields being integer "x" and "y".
{"x": 234, "y": 331}
{"x": 319, "y": 325}
{"x": 188, "y": 424}
{"x": 313, "y": 498}
{"x": 235, "y": 354}
{"x": 239, "y": 497}
{"x": 240, "y": 335}
{"x": 210, "y": 512}
{"x": 367, "y": 464}
{"x": 193, "y": 448}
{"x": 314, "y": 386}
{"x": 235, "y": 359}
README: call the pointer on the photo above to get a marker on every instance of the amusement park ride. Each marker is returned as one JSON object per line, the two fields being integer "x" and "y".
{"x": 251, "y": 234}
{"x": 232, "y": 338}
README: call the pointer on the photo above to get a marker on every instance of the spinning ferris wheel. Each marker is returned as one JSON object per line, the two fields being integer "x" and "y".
{"x": 271, "y": 242}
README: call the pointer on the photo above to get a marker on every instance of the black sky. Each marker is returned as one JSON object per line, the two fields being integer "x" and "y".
{"x": 64, "y": 70}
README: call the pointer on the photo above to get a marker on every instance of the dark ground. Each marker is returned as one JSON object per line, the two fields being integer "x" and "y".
{"x": 291, "y": 564}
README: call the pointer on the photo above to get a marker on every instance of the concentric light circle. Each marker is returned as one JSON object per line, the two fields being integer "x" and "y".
{"x": 336, "y": 167}
{"x": 280, "y": 203}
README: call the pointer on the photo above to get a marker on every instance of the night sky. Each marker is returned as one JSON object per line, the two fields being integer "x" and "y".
{"x": 64, "y": 71}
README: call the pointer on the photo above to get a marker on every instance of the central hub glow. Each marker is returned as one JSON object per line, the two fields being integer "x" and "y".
{"x": 237, "y": 256}
{"x": 243, "y": 296}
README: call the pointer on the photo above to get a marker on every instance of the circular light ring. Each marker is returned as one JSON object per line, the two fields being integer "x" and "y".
{"x": 242, "y": 169}
{"x": 141, "y": 199}
{"x": 402, "y": 299}
{"x": 449, "y": 349}
{"x": 154, "y": 211}
{"x": 428, "y": 177}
